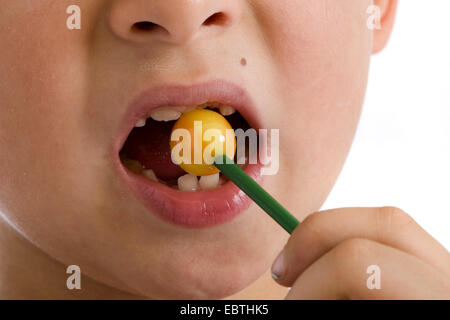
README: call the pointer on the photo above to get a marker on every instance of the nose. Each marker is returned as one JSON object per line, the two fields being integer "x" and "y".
{"x": 173, "y": 21}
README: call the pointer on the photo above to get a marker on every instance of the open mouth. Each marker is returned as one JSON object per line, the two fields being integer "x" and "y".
{"x": 143, "y": 154}
{"x": 147, "y": 152}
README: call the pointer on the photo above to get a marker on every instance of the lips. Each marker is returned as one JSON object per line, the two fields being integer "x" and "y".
{"x": 196, "y": 209}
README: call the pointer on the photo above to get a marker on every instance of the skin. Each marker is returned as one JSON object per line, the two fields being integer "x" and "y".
{"x": 64, "y": 94}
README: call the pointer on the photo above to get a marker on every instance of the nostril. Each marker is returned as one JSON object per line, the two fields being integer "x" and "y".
{"x": 144, "y": 26}
{"x": 218, "y": 19}
{"x": 142, "y": 29}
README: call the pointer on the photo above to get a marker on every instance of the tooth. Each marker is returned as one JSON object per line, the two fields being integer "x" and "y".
{"x": 226, "y": 110}
{"x": 141, "y": 123}
{"x": 133, "y": 165}
{"x": 202, "y": 106}
{"x": 165, "y": 115}
{"x": 188, "y": 182}
{"x": 150, "y": 174}
{"x": 209, "y": 182}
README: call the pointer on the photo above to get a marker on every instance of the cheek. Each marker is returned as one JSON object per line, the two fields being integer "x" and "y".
{"x": 323, "y": 51}
{"x": 40, "y": 72}
{"x": 304, "y": 32}
{"x": 41, "y": 87}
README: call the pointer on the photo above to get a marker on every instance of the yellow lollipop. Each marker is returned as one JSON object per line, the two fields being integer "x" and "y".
{"x": 196, "y": 138}
{"x": 202, "y": 133}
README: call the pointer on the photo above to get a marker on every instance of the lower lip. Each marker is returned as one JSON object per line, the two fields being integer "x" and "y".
{"x": 198, "y": 209}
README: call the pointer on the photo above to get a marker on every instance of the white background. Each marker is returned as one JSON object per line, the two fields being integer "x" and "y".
{"x": 401, "y": 154}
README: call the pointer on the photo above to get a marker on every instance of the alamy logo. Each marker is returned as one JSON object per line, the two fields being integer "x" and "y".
{"x": 374, "y": 281}
{"x": 74, "y": 20}
{"x": 202, "y": 146}
{"x": 74, "y": 280}
{"x": 374, "y": 19}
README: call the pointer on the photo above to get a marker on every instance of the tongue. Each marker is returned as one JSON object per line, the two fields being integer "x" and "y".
{"x": 150, "y": 146}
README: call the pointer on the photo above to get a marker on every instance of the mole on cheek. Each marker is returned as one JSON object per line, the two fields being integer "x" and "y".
{"x": 243, "y": 62}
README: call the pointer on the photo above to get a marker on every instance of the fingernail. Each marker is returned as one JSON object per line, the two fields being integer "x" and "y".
{"x": 278, "y": 267}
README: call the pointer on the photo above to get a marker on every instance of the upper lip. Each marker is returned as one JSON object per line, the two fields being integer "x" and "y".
{"x": 186, "y": 95}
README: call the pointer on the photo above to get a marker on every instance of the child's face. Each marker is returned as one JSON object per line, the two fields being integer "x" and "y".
{"x": 65, "y": 95}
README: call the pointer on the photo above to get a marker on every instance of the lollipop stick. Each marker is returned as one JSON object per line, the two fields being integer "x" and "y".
{"x": 256, "y": 193}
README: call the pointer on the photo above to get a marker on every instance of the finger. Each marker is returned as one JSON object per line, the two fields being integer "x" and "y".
{"x": 321, "y": 231}
{"x": 342, "y": 274}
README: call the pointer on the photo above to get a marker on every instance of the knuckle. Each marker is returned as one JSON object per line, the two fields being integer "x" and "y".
{"x": 391, "y": 219}
{"x": 311, "y": 219}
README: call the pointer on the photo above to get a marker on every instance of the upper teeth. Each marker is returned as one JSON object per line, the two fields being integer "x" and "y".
{"x": 141, "y": 123}
{"x": 165, "y": 115}
{"x": 227, "y": 110}
{"x": 174, "y": 113}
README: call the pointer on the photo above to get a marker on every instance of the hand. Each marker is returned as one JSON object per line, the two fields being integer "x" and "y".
{"x": 328, "y": 255}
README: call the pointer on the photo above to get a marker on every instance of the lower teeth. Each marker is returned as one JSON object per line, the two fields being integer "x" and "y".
{"x": 188, "y": 182}
{"x": 209, "y": 182}
{"x": 133, "y": 165}
{"x": 149, "y": 174}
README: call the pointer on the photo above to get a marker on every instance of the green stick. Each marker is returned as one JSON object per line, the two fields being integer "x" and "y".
{"x": 257, "y": 193}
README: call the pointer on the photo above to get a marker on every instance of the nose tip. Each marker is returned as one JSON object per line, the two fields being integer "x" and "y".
{"x": 174, "y": 21}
